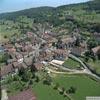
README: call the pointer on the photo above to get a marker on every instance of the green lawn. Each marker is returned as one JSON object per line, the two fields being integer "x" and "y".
{"x": 70, "y": 63}
{"x": 44, "y": 92}
{"x": 85, "y": 87}
{"x": 6, "y": 32}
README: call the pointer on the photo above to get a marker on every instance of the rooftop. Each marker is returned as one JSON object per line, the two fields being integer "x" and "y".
{"x": 24, "y": 95}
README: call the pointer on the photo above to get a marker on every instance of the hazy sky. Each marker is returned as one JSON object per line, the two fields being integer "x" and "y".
{"x": 14, "y": 5}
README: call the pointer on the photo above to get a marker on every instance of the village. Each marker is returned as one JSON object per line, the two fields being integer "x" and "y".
{"x": 45, "y": 52}
{"x": 32, "y": 50}
{"x": 49, "y": 49}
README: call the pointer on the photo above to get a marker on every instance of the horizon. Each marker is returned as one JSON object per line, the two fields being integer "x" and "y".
{"x": 17, "y": 5}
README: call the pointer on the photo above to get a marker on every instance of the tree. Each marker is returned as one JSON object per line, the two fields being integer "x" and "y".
{"x": 72, "y": 89}
{"x": 86, "y": 56}
{"x": 77, "y": 43}
{"x": 9, "y": 79}
{"x": 25, "y": 74}
{"x": 53, "y": 44}
{"x": 33, "y": 68}
{"x": 61, "y": 90}
{"x": 21, "y": 71}
{"x": 37, "y": 79}
{"x": 86, "y": 59}
{"x": 31, "y": 82}
{"x": 93, "y": 58}
{"x": 91, "y": 43}
{"x": 56, "y": 86}
{"x": 98, "y": 54}
{"x": 4, "y": 57}
{"x": 16, "y": 78}
{"x": 5, "y": 36}
{"x": 48, "y": 80}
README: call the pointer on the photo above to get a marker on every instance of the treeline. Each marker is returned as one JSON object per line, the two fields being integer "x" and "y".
{"x": 39, "y": 13}
{"x": 62, "y": 15}
{"x": 46, "y": 12}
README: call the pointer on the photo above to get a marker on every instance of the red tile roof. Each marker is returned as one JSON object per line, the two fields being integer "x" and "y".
{"x": 60, "y": 51}
{"x": 96, "y": 49}
{"x": 38, "y": 66}
{"x": 24, "y": 95}
{"x": 6, "y": 70}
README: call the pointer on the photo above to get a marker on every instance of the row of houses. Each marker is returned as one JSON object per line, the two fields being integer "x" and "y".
{"x": 13, "y": 68}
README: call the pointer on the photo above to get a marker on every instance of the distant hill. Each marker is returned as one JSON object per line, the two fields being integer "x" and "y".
{"x": 44, "y": 11}
{"x": 34, "y": 12}
{"x": 85, "y": 16}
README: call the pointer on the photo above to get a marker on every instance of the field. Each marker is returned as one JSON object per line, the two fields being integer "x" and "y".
{"x": 5, "y": 34}
{"x": 85, "y": 87}
{"x": 83, "y": 84}
{"x": 9, "y": 28}
{"x": 70, "y": 63}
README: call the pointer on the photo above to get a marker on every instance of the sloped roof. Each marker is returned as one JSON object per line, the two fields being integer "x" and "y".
{"x": 24, "y": 95}
{"x": 6, "y": 70}
{"x": 96, "y": 49}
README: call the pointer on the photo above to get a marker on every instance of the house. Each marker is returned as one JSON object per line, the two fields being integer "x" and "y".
{"x": 57, "y": 62}
{"x": 46, "y": 36}
{"x": 24, "y": 54}
{"x": 60, "y": 54}
{"x": 96, "y": 35}
{"x": 52, "y": 34}
{"x": 18, "y": 66}
{"x": 18, "y": 46}
{"x": 1, "y": 48}
{"x": 45, "y": 55}
{"x": 6, "y": 70}
{"x": 96, "y": 51}
{"x": 9, "y": 48}
{"x": 69, "y": 42}
{"x": 29, "y": 34}
{"x": 24, "y": 95}
{"x": 70, "y": 18}
{"x": 19, "y": 57}
{"x": 28, "y": 61}
{"x": 38, "y": 66}
{"x": 77, "y": 51}
{"x": 9, "y": 61}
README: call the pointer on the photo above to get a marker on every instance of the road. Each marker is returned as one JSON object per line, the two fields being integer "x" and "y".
{"x": 85, "y": 69}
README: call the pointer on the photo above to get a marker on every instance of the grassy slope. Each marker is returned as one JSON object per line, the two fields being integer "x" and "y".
{"x": 85, "y": 87}
{"x": 71, "y": 64}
